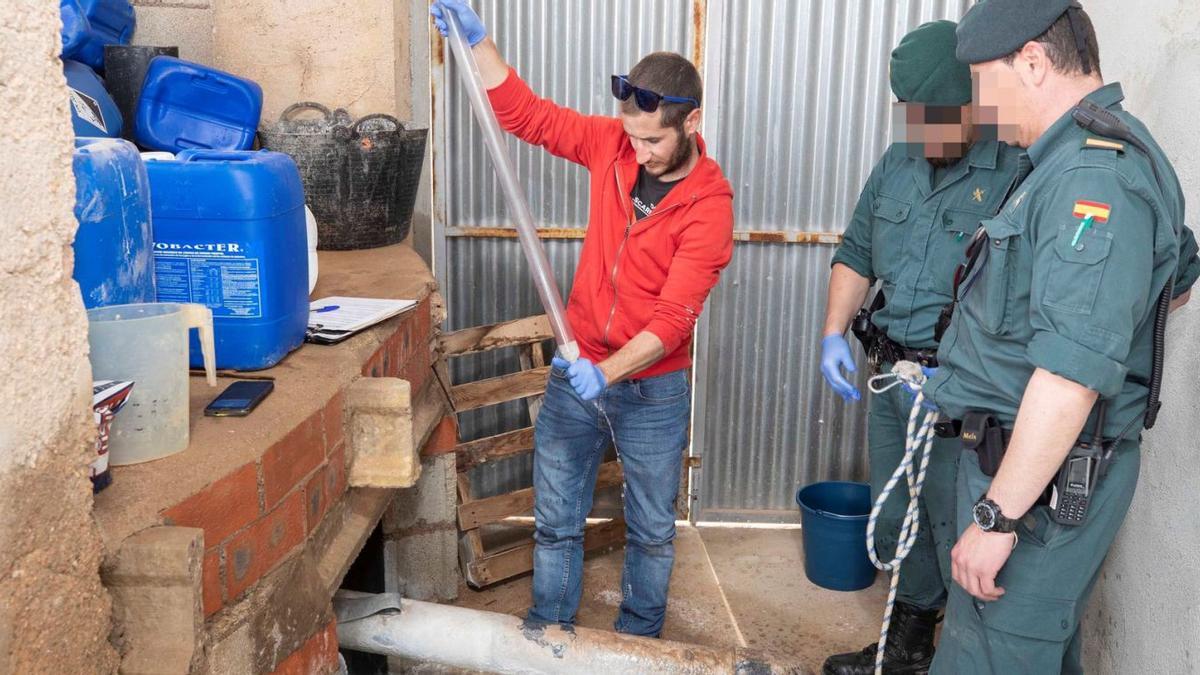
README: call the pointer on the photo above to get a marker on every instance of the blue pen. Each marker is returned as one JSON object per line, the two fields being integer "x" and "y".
{"x": 327, "y": 308}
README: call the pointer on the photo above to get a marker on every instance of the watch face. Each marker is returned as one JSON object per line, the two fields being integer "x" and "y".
{"x": 985, "y": 517}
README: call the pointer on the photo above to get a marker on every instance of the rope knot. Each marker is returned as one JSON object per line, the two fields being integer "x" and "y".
{"x": 917, "y": 448}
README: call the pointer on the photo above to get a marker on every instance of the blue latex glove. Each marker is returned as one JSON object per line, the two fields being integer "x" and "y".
{"x": 586, "y": 379}
{"x": 835, "y": 355}
{"x": 473, "y": 29}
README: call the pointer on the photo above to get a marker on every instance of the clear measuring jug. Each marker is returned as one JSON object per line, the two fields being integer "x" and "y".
{"x": 148, "y": 344}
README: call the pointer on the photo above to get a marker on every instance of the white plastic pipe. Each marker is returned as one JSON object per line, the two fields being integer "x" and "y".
{"x": 500, "y": 643}
{"x": 518, "y": 207}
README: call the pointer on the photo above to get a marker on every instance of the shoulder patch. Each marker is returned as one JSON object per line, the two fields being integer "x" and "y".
{"x": 1103, "y": 144}
{"x": 1097, "y": 211}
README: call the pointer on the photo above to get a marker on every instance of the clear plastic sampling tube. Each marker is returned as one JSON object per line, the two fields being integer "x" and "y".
{"x": 518, "y": 207}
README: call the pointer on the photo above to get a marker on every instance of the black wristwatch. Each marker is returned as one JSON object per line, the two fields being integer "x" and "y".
{"x": 989, "y": 518}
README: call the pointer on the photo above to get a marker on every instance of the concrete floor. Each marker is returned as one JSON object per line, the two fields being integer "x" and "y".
{"x": 730, "y": 587}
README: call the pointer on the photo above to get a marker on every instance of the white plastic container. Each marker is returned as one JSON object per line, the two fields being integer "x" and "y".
{"x": 310, "y": 223}
{"x": 148, "y": 344}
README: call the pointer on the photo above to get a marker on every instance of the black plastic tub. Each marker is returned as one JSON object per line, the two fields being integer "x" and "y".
{"x": 360, "y": 177}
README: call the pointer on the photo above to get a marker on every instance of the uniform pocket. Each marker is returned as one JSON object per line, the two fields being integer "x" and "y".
{"x": 1073, "y": 284}
{"x": 958, "y": 221}
{"x": 663, "y": 388}
{"x": 1037, "y": 527}
{"x": 991, "y": 294}
{"x": 891, "y": 209}
{"x": 889, "y": 216}
{"x": 1029, "y": 616}
{"x": 949, "y": 249}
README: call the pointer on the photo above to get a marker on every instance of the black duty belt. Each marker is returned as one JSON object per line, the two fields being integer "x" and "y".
{"x": 948, "y": 428}
{"x": 982, "y": 433}
{"x": 889, "y": 351}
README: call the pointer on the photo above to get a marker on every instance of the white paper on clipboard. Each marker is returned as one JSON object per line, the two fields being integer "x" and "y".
{"x": 335, "y": 318}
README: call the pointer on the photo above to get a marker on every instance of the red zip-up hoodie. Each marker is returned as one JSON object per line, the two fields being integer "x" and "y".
{"x": 651, "y": 274}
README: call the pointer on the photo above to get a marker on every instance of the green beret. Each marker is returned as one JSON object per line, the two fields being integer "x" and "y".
{"x": 994, "y": 29}
{"x": 924, "y": 70}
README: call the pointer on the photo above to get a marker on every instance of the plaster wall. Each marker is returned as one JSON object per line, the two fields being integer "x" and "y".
{"x": 54, "y": 616}
{"x": 341, "y": 53}
{"x": 1145, "y": 613}
{"x": 187, "y": 24}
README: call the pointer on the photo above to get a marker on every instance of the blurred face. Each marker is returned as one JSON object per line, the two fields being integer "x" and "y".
{"x": 660, "y": 150}
{"x": 933, "y": 132}
{"x": 1002, "y": 101}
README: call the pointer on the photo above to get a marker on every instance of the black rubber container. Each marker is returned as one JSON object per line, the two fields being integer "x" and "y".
{"x": 124, "y": 71}
{"x": 360, "y": 177}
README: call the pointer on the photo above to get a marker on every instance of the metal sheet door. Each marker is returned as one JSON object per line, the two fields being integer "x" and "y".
{"x": 798, "y": 115}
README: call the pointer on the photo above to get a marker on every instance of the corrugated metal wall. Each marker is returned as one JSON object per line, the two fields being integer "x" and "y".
{"x": 566, "y": 50}
{"x": 800, "y": 118}
{"x": 796, "y": 113}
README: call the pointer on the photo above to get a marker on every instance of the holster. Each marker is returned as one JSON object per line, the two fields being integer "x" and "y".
{"x": 943, "y": 321}
{"x": 867, "y": 332}
{"x": 864, "y": 330}
{"x": 982, "y": 433}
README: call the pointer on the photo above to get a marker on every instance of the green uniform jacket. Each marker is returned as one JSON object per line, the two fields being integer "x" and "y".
{"x": 911, "y": 235}
{"x": 1049, "y": 293}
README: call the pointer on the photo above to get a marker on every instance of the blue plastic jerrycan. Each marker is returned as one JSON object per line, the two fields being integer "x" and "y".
{"x": 88, "y": 25}
{"x": 186, "y": 105}
{"x": 93, "y": 111}
{"x": 229, "y": 233}
{"x": 113, "y": 246}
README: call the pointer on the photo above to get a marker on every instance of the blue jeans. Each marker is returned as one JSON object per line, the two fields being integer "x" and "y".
{"x": 649, "y": 420}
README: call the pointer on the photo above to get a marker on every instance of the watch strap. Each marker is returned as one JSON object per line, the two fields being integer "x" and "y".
{"x": 1001, "y": 523}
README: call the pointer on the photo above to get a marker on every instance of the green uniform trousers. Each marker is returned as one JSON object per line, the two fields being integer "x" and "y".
{"x": 925, "y": 573}
{"x": 1034, "y": 627}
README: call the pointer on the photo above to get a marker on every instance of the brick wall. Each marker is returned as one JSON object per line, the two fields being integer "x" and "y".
{"x": 261, "y": 513}
{"x": 406, "y": 353}
{"x": 318, "y": 656}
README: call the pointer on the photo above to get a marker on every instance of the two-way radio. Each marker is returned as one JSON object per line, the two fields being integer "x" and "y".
{"x": 1077, "y": 479}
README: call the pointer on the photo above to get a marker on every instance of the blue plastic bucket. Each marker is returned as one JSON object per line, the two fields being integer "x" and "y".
{"x": 834, "y": 527}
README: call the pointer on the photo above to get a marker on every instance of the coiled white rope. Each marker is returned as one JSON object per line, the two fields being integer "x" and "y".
{"x": 918, "y": 443}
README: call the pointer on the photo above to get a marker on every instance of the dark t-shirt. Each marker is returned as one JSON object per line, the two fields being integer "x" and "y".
{"x": 647, "y": 192}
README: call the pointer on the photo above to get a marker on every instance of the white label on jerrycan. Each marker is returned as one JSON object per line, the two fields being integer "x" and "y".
{"x": 222, "y": 276}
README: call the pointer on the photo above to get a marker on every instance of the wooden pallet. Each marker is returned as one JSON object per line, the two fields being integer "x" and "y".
{"x": 481, "y": 566}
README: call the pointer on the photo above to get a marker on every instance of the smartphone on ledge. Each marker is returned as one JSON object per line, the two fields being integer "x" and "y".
{"x": 239, "y": 398}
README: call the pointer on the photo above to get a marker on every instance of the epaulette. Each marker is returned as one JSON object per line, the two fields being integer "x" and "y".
{"x": 1103, "y": 144}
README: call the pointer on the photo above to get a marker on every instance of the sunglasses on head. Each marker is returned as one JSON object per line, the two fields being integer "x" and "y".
{"x": 647, "y": 101}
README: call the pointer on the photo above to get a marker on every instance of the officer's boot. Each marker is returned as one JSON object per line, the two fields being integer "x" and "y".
{"x": 909, "y": 649}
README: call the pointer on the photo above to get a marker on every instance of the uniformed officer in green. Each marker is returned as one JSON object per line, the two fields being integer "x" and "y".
{"x": 1056, "y": 318}
{"x": 914, "y": 220}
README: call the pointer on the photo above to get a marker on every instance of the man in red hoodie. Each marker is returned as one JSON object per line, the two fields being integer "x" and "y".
{"x": 660, "y": 230}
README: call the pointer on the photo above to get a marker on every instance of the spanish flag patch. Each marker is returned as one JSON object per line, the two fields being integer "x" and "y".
{"x": 1098, "y": 211}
